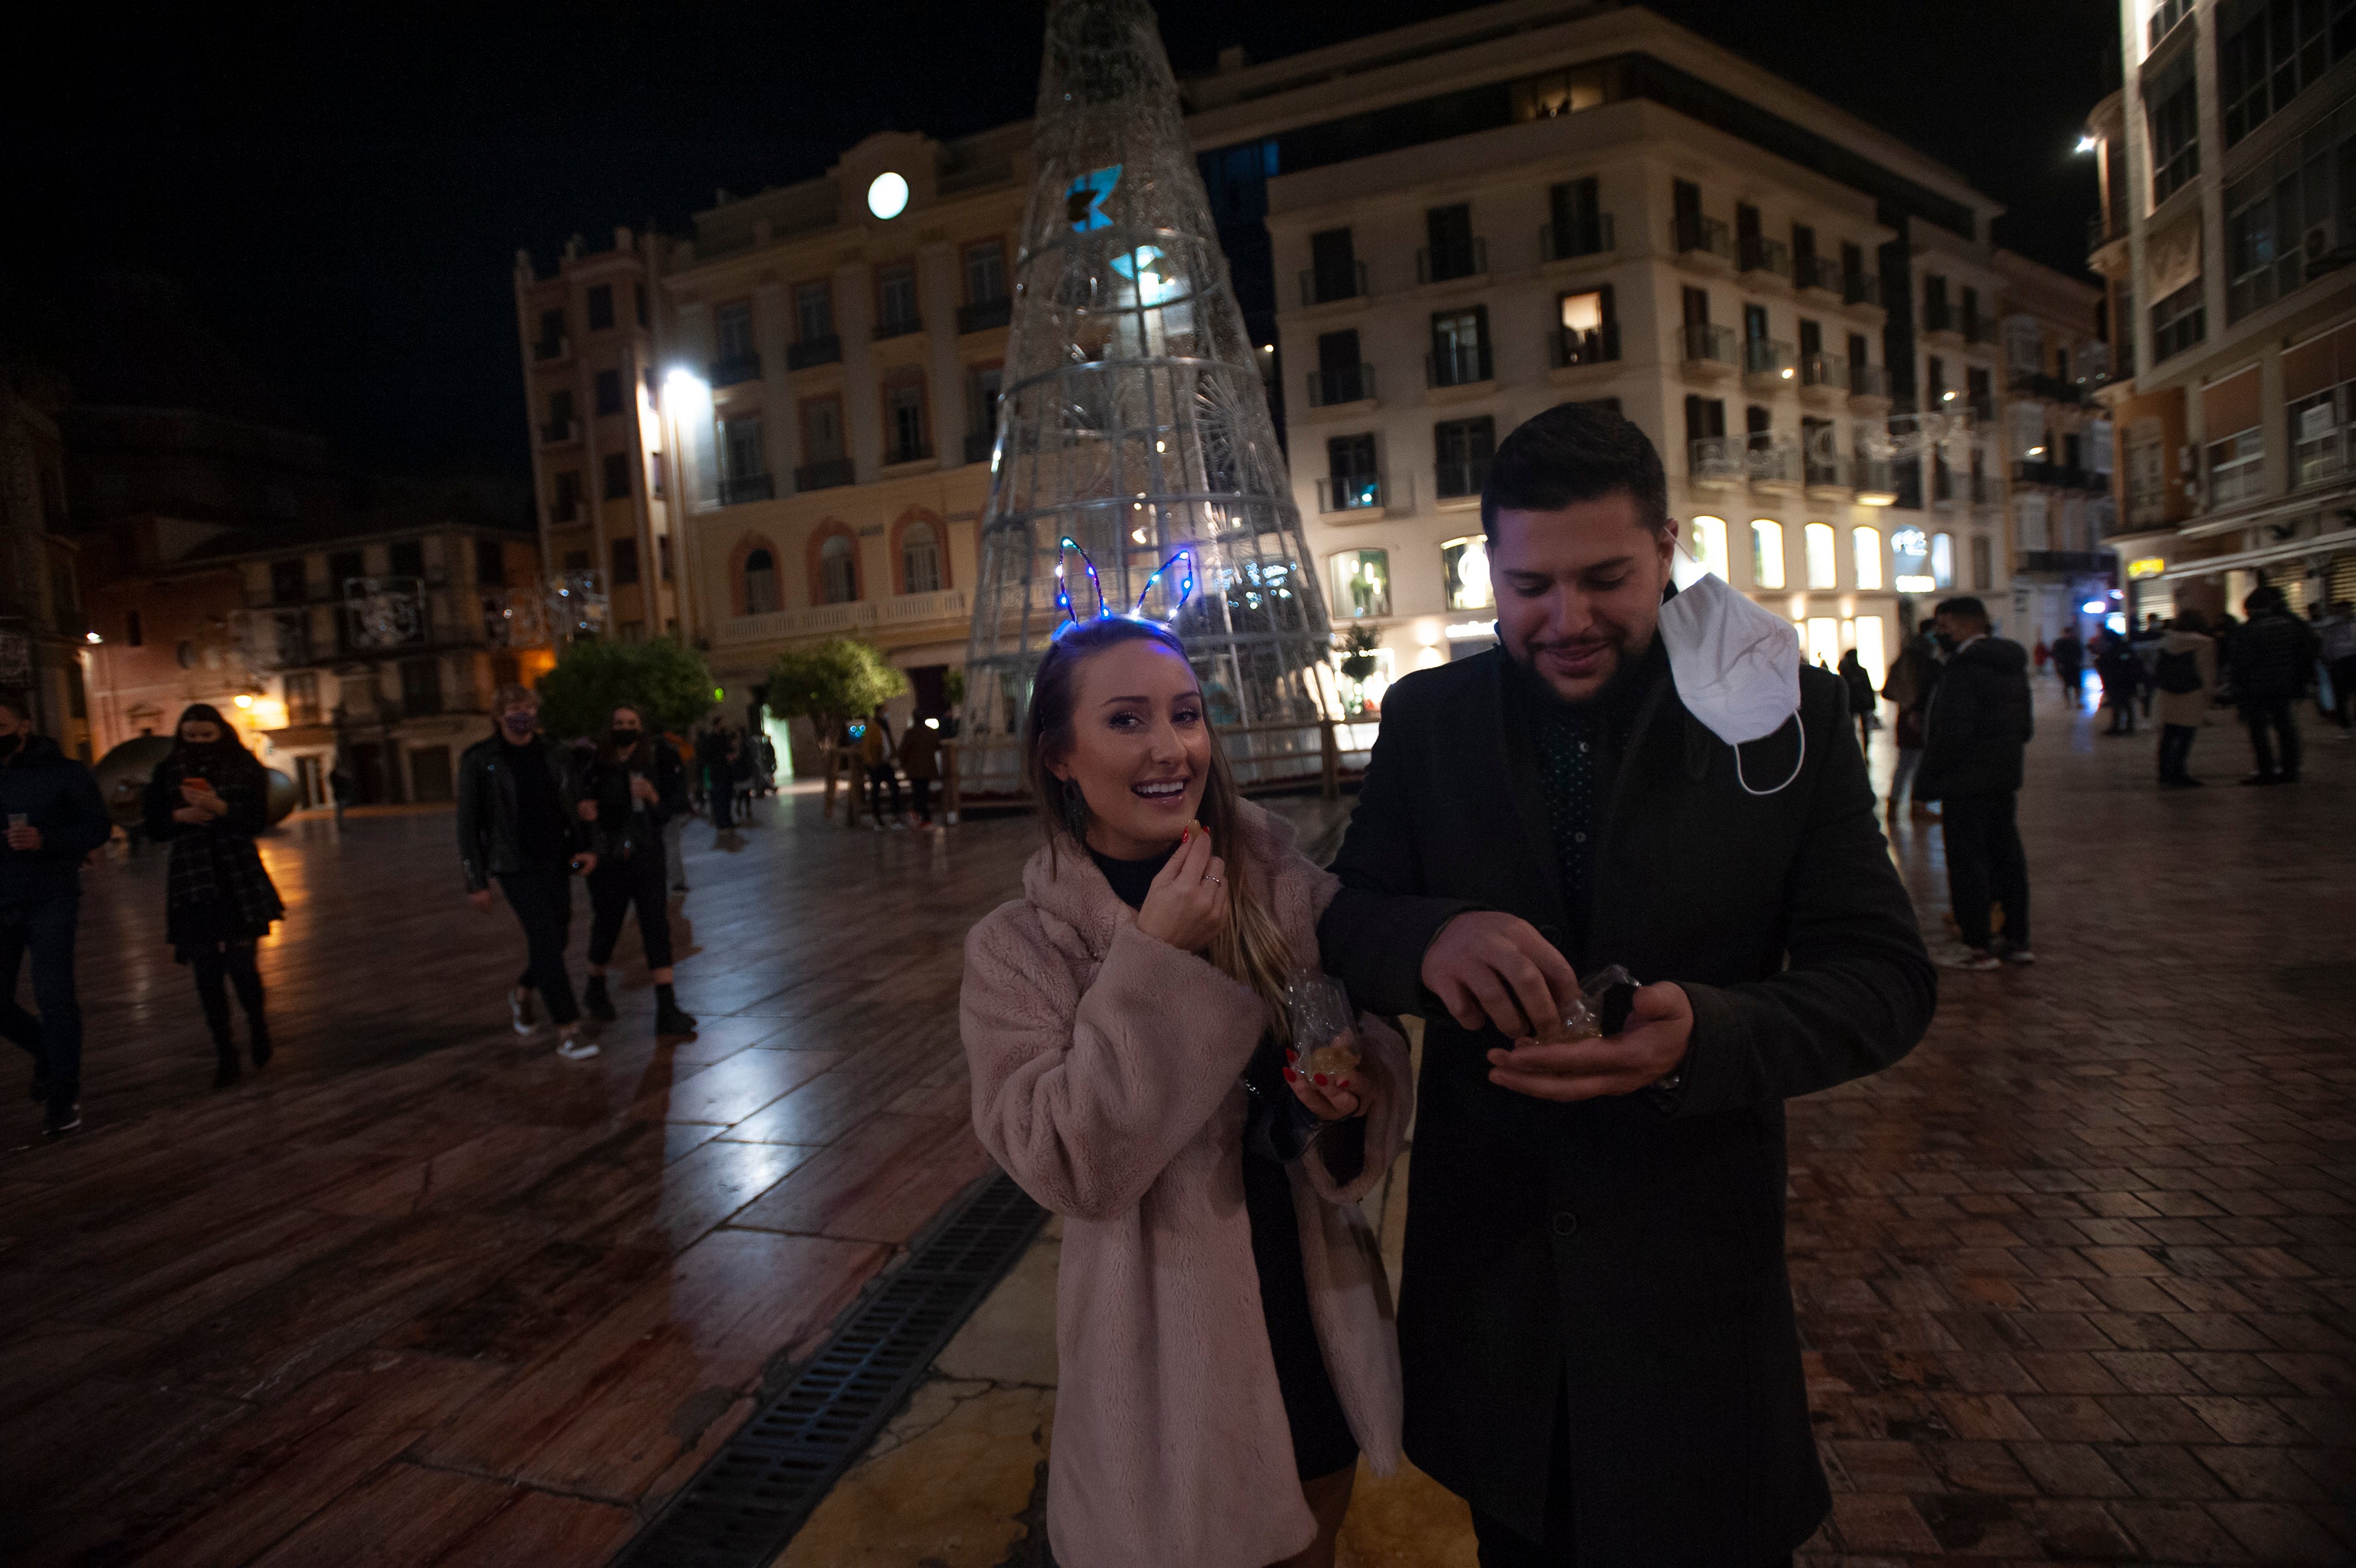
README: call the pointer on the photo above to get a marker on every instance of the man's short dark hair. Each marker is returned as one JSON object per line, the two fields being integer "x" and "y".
{"x": 1575, "y": 452}
{"x": 2264, "y": 601}
{"x": 1963, "y": 609}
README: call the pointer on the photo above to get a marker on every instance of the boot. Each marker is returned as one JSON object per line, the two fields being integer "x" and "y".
{"x": 668, "y": 1019}
{"x": 229, "y": 1071}
{"x": 595, "y": 1002}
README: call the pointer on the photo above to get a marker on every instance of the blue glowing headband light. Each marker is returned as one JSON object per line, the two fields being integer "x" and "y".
{"x": 1183, "y": 560}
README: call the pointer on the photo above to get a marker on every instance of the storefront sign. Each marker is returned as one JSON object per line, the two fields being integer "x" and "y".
{"x": 2149, "y": 566}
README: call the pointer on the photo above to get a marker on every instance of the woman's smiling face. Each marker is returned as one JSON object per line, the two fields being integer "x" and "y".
{"x": 1140, "y": 748}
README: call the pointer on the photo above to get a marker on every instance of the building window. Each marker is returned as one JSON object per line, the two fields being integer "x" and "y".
{"x": 601, "y": 307}
{"x": 1580, "y": 226}
{"x": 920, "y": 560}
{"x": 2268, "y": 51}
{"x": 2177, "y": 322}
{"x": 823, "y": 430}
{"x": 1335, "y": 270}
{"x": 742, "y": 453}
{"x": 552, "y": 335}
{"x": 1451, "y": 250}
{"x": 1865, "y": 545}
{"x": 2238, "y": 466}
{"x": 662, "y": 552}
{"x": 286, "y": 585}
{"x": 609, "y": 392}
{"x": 134, "y": 633}
{"x": 2274, "y": 210}
{"x": 638, "y": 297}
{"x": 896, "y": 299}
{"x": 2147, "y": 474}
{"x": 618, "y": 477}
{"x": 1942, "y": 560}
{"x": 1707, "y": 543}
{"x": 903, "y": 423}
{"x": 837, "y": 570}
{"x": 1557, "y": 92}
{"x": 420, "y": 687}
{"x": 2174, "y": 109}
{"x": 1361, "y": 584}
{"x": 731, "y": 333}
{"x": 1983, "y": 563}
{"x": 303, "y": 697}
{"x": 1461, "y": 452}
{"x": 654, "y": 476}
{"x": 985, "y": 273}
{"x": 1588, "y": 334}
{"x": 813, "y": 312}
{"x": 1460, "y": 346}
{"x": 1464, "y": 564}
{"x": 761, "y": 593}
{"x": 1823, "y": 560}
{"x": 1766, "y": 554}
{"x": 1354, "y": 479}
{"x": 626, "y": 561}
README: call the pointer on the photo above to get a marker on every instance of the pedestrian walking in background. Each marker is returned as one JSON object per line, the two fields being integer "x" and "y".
{"x": 208, "y": 800}
{"x": 341, "y": 787}
{"x": 2121, "y": 673}
{"x": 1977, "y": 726}
{"x": 515, "y": 825}
{"x": 1224, "y": 1330}
{"x": 768, "y": 768}
{"x": 743, "y": 765}
{"x": 2186, "y": 674}
{"x": 2336, "y": 643}
{"x": 2274, "y": 662}
{"x": 875, "y": 751}
{"x": 719, "y": 771}
{"x": 2070, "y": 666}
{"x": 2144, "y": 642}
{"x": 629, "y": 787}
{"x": 920, "y": 759}
{"x": 1860, "y": 697}
{"x": 1908, "y": 688}
{"x": 55, "y": 819}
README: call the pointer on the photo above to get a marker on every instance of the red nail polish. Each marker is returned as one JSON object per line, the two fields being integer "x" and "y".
{"x": 1318, "y": 1081}
{"x": 1291, "y": 1075}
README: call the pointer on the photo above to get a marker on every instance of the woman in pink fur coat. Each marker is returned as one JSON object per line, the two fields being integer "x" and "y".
{"x": 1223, "y": 1321}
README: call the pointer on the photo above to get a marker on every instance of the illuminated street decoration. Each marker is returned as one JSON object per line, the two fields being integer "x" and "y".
{"x": 385, "y": 612}
{"x": 576, "y": 604}
{"x": 1135, "y": 421}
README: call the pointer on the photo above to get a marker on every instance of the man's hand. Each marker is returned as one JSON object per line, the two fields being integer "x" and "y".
{"x": 1652, "y": 1046}
{"x": 587, "y": 810}
{"x": 24, "y": 838}
{"x": 643, "y": 788}
{"x": 584, "y": 862}
{"x": 1493, "y": 969}
{"x": 481, "y": 900}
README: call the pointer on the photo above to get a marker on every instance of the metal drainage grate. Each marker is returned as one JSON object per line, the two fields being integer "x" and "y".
{"x": 765, "y": 1481}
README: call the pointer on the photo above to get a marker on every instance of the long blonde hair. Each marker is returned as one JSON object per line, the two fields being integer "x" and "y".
{"x": 1251, "y": 948}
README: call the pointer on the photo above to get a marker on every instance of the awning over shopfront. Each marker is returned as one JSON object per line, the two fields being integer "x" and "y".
{"x": 2269, "y": 510}
{"x": 2289, "y": 549}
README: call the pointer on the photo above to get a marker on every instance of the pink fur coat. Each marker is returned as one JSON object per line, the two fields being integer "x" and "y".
{"x": 1107, "y": 1080}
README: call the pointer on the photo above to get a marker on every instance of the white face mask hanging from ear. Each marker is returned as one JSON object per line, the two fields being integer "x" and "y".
{"x": 1736, "y": 665}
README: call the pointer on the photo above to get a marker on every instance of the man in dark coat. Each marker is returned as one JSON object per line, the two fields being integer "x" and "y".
{"x": 2273, "y": 664}
{"x": 1973, "y": 735}
{"x": 2070, "y": 663}
{"x": 1596, "y": 1323}
{"x": 55, "y": 818}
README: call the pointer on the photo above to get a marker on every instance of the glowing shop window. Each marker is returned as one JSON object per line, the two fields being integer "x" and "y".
{"x": 1466, "y": 564}
{"x": 1869, "y": 558}
{"x": 1766, "y": 554}
{"x": 1362, "y": 583}
{"x": 1707, "y": 537}
{"x": 1942, "y": 560}
{"x": 1824, "y": 641}
{"x": 1872, "y": 651}
{"x": 1824, "y": 565}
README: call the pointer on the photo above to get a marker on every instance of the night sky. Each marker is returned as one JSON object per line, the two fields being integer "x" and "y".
{"x": 341, "y": 193}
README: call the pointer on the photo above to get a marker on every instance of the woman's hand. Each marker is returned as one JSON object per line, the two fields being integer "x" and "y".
{"x": 215, "y": 804}
{"x": 195, "y": 816}
{"x": 1187, "y": 905}
{"x": 1333, "y": 1098}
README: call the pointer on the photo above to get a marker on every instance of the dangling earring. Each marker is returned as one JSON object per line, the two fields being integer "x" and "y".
{"x": 1076, "y": 810}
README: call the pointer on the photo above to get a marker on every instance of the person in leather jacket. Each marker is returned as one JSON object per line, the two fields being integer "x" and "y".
{"x": 628, "y": 787}
{"x": 517, "y": 826}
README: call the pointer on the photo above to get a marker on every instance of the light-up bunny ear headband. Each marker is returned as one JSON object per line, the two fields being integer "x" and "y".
{"x": 1068, "y": 547}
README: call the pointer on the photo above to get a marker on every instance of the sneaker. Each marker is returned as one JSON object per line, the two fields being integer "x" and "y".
{"x": 574, "y": 1047}
{"x": 519, "y": 1011}
{"x": 1977, "y": 959}
{"x": 57, "y": 1123}
{"x": 595, "y": 1002}
{"x": 2019, "y": 955}
{"x": 671, "y": 1020}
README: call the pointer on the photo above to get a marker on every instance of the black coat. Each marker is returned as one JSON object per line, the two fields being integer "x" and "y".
{"x": 622, "y": 830}
{"x": 2274, "y": 658}
{"x": 218, "y": 890}
{"x": 58, "y": 796}
{"x": 1979, "y": 722}
{"x": 488, "y": 845}
{"x": 1628, "y": 1253}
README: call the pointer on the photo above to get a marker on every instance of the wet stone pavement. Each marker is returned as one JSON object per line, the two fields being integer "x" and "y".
{"x": 2075, "y": 1279}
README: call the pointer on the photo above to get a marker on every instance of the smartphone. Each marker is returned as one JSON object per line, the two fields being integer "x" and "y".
{"x": 199, "y": 785}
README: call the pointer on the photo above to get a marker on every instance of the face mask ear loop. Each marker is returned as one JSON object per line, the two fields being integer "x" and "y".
{"x": 1796, "y": 767}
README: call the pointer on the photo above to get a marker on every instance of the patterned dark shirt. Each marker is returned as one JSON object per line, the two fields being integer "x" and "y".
{"x": 1568, "y": 744}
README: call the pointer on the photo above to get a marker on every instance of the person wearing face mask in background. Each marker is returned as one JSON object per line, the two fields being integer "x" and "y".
{"x": 1595, "y": 1319}
{"x": 208, "y": 800}
{"x": 514, "y": 825}
{"x": 629, "y": 788}
{"x": 55, "y": 819}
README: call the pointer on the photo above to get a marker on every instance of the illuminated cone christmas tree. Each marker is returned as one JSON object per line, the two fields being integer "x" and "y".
{"x": 1134, "y": 421}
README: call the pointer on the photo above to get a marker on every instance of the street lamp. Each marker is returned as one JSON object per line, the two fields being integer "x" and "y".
{"x": 2087, "y": 144}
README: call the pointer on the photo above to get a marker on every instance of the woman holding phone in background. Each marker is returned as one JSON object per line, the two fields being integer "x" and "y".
{"x": 208, "y": 800}
{"x": 1140, "y": 1065}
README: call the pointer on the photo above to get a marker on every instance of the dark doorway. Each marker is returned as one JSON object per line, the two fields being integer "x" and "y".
{"x": 311, "y": 780}
{"x": 429, "y": 772}
{"x": 368, "y": 774}
{"x": 930, "y": 682}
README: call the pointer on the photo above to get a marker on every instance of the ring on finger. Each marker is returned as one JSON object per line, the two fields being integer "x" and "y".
{"x": 1218, "y": 879}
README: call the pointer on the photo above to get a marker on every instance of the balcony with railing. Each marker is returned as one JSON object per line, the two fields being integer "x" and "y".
{"x": 908, "y": 452}
{"x": 1462, "y": 365}
{"x": 943, "y": 606}
{"x": 898, "y": 326}
{"x": 1342, "y": 384}
{"x": 1944, "y": 496}
{"x": 738, "y": 488}
{"x": 557, "y": 432}
{"x": 2052, "y": 388}
{"x": 736, "y": 368}
{"x": 1940, "y": 321}
{"x": 2165, "y": 15}
{"x": 1869, "y": 387}
{"x": 1448, "y": 262}
{"x": 1325, "y": 286}
{"x": 551, "y": 349}
{"x": 1588, "y": 236}
{"x": 1711, "y": 351}
{"x": 824, "y": 475}
{"x": 1352, "y": 492}
{"x": 2240, "y": 480}
{"x": 1570, "y": 347}
{"x": 1768, "y": 364}
{"x": 1819, "y": 276}
{"x": 1979, "y": 330}
{"x": 983, "y": 315}
{"x": 1717, "y": 461}
{"x": 1763, "y": 259}
{"x": 1453, "y": 482}
{"x": 826, "y": 350}
{"x": 1861, "y": 289}
{"x": 1773, "y": 462}
{"x": 1702, "y": 241}
{"x": 1877, "y": 480}
{"x": 1826, "y": 474}
{"x": 978, "y": 444}
{"x": 1824, "y": 377}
